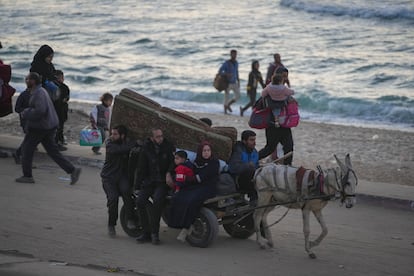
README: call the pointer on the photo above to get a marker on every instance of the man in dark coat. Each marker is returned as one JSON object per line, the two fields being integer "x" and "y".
{"x": 156, "y": 162}
{"x": 114, "y": 176}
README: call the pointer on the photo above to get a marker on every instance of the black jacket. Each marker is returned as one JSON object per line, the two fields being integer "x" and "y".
{"x": 154, "y": 163}
{"x": 116, "y": 160}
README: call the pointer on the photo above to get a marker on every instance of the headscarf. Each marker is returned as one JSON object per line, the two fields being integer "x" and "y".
{"x": 199, "y": 158}
{"x": 43, "y": 52}
{"x": 39, "y": 65}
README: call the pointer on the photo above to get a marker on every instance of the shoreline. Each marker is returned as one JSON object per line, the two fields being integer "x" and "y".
{"x": 377, "y": 155}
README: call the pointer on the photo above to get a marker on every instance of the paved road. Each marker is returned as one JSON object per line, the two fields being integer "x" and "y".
{"x": 52, "y": 228}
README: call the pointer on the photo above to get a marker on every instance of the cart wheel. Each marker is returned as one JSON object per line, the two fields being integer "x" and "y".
{"x": 131, "y": 232}
{"x": 242, "y": 229}
{"x": 205, "y": 229}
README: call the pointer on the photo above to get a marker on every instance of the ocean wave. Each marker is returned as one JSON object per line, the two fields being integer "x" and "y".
{"x": 386, "y": 109}
{"x": 387, "y": 12}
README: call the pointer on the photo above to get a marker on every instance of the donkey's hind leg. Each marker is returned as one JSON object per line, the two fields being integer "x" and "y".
{"x": 259, "y": 217}
{"x": 321, "y": 220}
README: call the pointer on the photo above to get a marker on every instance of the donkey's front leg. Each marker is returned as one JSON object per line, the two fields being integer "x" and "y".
{"x": 258, "y": 217}
{"x": 266, "y": 229}
{"x": 306, "y": 231}
{"x": 321, "y": 220}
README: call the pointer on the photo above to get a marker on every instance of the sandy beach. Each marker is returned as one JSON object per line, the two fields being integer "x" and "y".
{"x": 377, "y": 155}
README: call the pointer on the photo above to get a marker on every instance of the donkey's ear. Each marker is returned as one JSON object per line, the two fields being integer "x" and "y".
{"x": 348, "y": 161}
{"x": 343, "y": 167}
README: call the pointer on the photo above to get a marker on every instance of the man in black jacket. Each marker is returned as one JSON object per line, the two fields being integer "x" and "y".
{"x": 114, "y": 176}
{"x": 155, "y": 164}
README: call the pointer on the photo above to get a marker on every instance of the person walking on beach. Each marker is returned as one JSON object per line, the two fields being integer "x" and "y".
{"x": 61, "y": 107}
{"x": 255, "y": 77}
{"x": 42, "y": 122}
{"x": 274, "y": 132}
{"x": 155, "y": 165}
{"x": 114, "y": 176}
{"x": 273, "y": 67}
{"x": 100, "y": 116}
{"x": 230, "y": 69}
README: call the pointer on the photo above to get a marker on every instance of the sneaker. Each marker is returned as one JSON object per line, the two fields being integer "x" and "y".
{"x": 183, "y": 235}
{"x": 17, "y": 159}
{"x": 155, "y": 239}
{"x": 25, "y": 179}
{"x": 111, "y": 231}
{"x": 97, "y": 152}
{"x": 131, "y": 224}
{"x": 74, "y": 176}
{"x": 144, "y": 237}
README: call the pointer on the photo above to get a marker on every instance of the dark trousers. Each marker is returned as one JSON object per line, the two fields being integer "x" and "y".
{"x": 252, "y": 97}
{"x": 275, "y": 135}
{"x": 150, "y": 213}
{"x": 60, "y": 139}
{"x": 47, "y": 138}
{"x": 114, "y": 188}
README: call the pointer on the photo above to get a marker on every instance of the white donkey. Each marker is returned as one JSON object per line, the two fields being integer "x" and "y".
{"x": 299, "y": 188}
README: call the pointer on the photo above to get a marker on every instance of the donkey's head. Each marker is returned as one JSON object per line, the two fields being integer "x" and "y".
{"x": 348, "y": 182}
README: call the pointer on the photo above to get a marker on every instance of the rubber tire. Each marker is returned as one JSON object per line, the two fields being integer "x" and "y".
{"x": 130, "y": 232}
{"x": 244, "y": 229}
{"x": 205, "y": 229}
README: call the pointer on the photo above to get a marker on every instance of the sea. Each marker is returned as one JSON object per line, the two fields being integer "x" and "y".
{"x": 350, "y": 62}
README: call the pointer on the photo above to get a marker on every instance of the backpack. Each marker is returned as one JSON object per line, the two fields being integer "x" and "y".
{"x": 7, "y": 91}
{"x": 289, "y": 115}
{"x": 261, "y": 115}
{"x": 53, "y": 90}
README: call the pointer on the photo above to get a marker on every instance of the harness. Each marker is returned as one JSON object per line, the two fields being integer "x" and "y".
{"x": 308, "y": 182}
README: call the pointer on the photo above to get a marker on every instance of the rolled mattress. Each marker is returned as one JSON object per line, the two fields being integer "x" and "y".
{"x": 140, "y": 114}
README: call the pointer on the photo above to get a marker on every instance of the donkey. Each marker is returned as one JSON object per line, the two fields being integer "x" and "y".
{"x": 299, "y": 188}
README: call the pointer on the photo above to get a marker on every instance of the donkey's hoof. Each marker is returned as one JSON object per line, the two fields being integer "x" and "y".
{"x": 270, "y": 244}
{"x": 312, "y": 255}
{"x": 263, "y": 246}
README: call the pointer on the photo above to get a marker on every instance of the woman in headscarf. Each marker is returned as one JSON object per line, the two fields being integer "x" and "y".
{"x": 42, "y": 64}
{"x": 186, "y": 204}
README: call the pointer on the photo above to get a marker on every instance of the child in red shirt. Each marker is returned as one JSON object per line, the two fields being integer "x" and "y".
{"x": 184, "y": 174}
